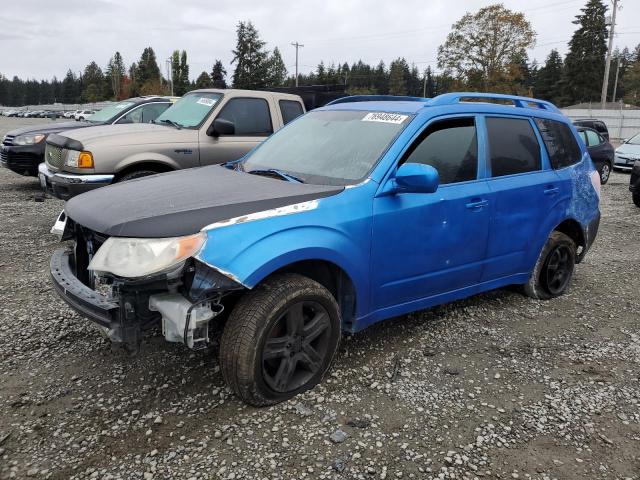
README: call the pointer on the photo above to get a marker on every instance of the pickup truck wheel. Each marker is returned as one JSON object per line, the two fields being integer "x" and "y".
{"x": 279, "y": 340}
{"x": 552, "y": 274}
{"x": 136, "y": 174}
{"x": 605, "y": 173}
{"x": 636, "y": 199}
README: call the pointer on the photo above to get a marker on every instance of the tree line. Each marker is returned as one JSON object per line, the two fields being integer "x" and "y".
{"x": 485, "y": 51}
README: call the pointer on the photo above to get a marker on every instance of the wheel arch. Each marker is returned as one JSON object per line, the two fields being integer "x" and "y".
{"x": 573, "y": 229}
{"x": 331, "y": 276}
{"x": 154, "y": 165}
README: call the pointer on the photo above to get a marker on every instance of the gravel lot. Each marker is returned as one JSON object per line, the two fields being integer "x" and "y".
{"x": 496, "y": 386}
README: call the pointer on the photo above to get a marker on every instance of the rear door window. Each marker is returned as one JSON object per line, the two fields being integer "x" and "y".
{"x": 593, "y": 138}
{"x": 290, "y": 110}
{"x": 561, "y": 145}
{"x": 451, "y": 147}
{"x": 513, "y": 146}
{"x": 250, "y": 116}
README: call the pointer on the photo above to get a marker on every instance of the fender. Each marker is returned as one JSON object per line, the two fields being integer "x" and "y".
{"x": 249, "y": 252}
{"x": 147, "y": 157}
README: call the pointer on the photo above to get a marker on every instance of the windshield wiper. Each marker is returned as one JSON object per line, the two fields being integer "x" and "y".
{"x": 171, "y": 122}
{"x": 275, "y": 172}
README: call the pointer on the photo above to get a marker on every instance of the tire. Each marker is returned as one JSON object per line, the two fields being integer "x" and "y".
{"x": 605, "y": 173}
{"x": 636, "y": 199}
{"x": 547, "y": 281}
{"x": 292, "y": 364}
{"x": 136, "y": 174}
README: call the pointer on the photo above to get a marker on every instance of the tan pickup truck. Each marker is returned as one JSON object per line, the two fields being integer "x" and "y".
{"x": 202, "y": 128}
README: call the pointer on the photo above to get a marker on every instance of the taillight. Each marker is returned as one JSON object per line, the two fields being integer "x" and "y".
{"x": 595, "y": 181}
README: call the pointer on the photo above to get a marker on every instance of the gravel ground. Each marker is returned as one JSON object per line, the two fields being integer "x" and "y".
{"x": 496, "y": 386}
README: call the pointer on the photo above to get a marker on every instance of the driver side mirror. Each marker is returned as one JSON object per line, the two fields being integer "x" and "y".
{"x": 220, "y": 126}
{"x": 415, "y": 178}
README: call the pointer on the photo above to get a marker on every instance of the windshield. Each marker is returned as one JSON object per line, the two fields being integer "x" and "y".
{"x": 635, "y": 140}
{"x": 191, "y": 110}
{"x": 110, "y": 112}
{"x": 328, "y": 147}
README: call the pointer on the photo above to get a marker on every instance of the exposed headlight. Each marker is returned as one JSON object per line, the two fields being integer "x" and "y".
{"x": 29, "y": 139}
{"x": 140, "y": 257}
{"x": 79, "y": 159}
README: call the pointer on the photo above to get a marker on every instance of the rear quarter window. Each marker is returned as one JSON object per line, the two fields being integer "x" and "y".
{"x": 290, "y": 110}
{"x": 561, "y": 145}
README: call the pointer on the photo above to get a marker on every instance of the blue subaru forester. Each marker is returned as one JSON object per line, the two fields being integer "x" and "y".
{"x": 365, "y": 209}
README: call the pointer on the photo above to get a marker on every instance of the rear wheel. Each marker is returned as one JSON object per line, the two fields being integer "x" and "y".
{"x": 553, "y": 271}
{"x": 605, "y": 173}
{"x": 279, "y": 340}
{"x": 636, "y": 199}
{"x": 136, "y": 174}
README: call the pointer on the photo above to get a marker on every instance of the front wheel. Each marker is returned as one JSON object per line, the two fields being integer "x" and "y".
{"x": 279, "y": 340}
{"x": 552, "y": 273}
{"x": 605, "y": 173}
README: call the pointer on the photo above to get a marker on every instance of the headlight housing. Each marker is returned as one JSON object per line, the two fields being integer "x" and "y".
{"x": 78, "y": 159}
{"x": 141, "y": 257}
{"x": 29, "y": 139}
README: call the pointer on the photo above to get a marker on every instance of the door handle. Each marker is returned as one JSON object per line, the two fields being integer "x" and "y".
{"x": 477, "y": 204}
{"x": 551, "y": 190}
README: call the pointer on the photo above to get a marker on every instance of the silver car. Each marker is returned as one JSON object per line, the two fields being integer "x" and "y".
{"x": 204, "y": 127}
{"x": 627, "y": 154}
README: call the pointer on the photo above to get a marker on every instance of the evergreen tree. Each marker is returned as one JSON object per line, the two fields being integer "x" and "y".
{"x": 250, "y": 58}
{"x": 398, "y": 74}
{"x": 114, "y": 74}
{"x": 381, "y": 79}
{"x": 430, "y": 85}
{"x": 92, "y": 83}
{"x": 218, "y": 74}
{"x": 180, "y": 73}
{"x": 133, "y": 87}
{"x": 549, "y": 77}
{"x": 147, "y": 74}
{"x": 584, "y": 64}
{"x": 277, "y": 71}
{"x": 70, "y": 88}
{"x": 203, "y": 81}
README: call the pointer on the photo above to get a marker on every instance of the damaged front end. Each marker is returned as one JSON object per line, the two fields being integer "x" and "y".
{"x": 182, "y": 299}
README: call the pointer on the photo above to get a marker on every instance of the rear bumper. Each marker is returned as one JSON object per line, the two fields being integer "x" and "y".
{"x": 590, "y": 234}
{"x": 68, "y": 185}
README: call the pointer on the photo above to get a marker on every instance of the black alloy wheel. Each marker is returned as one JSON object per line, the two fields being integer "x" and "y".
{"x": 295, "y": 347}
{"x": 558, "y": 269}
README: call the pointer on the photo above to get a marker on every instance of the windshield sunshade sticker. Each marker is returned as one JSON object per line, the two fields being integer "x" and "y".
{"x": 209, "y": 102}
{"x": 274, "y": 212}
{"x": 383, "y": 117}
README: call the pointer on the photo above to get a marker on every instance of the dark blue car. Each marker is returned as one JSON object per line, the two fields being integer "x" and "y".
{"x": 365, "y": 209}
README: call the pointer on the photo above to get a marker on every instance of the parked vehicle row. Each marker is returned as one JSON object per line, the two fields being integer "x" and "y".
{"x": 361, "y": 210}
{"x": 204, "y": 127}
{"x": 23, "y": 149}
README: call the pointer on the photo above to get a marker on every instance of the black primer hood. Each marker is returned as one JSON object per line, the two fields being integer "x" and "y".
{"x": 183, "y": 202}
{"x": 52, "y": 127}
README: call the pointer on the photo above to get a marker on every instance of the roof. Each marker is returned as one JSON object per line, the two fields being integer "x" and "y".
{"x": 413, "y": 105}
{"x": 236, "y": 92}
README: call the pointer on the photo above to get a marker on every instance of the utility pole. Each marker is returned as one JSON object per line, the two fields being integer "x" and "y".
{"x": 607, "y": 66}
{"x": 297, "y": 45}
{"x": 168, "y": 63}
{"x": 615, "y": 85}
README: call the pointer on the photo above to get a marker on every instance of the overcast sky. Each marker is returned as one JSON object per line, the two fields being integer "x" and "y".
{"x": 43, "y": 38}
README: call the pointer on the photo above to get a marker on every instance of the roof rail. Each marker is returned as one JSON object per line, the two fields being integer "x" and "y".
{"x": 521, "y": 102}
{"x": 377, "y": 98}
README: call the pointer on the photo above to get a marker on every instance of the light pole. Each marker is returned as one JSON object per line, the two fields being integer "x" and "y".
{"x": 298, "y": 46}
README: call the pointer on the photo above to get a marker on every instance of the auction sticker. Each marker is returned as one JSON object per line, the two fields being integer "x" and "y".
{"x": 206, "y": 101}
{"x": 383, "y": 117}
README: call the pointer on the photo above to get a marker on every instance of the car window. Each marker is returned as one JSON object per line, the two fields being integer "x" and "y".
{"x": 513, "y": 146}
{"x": 583, "y": 136}
{"x": 451, "y": 147}
{"x": 290, "y": 109}
{"x": 250, "y": 116}
{"x": 593, "y": 138}
{"x": 145, "y": 113}
{"x": 562, "y": 148}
